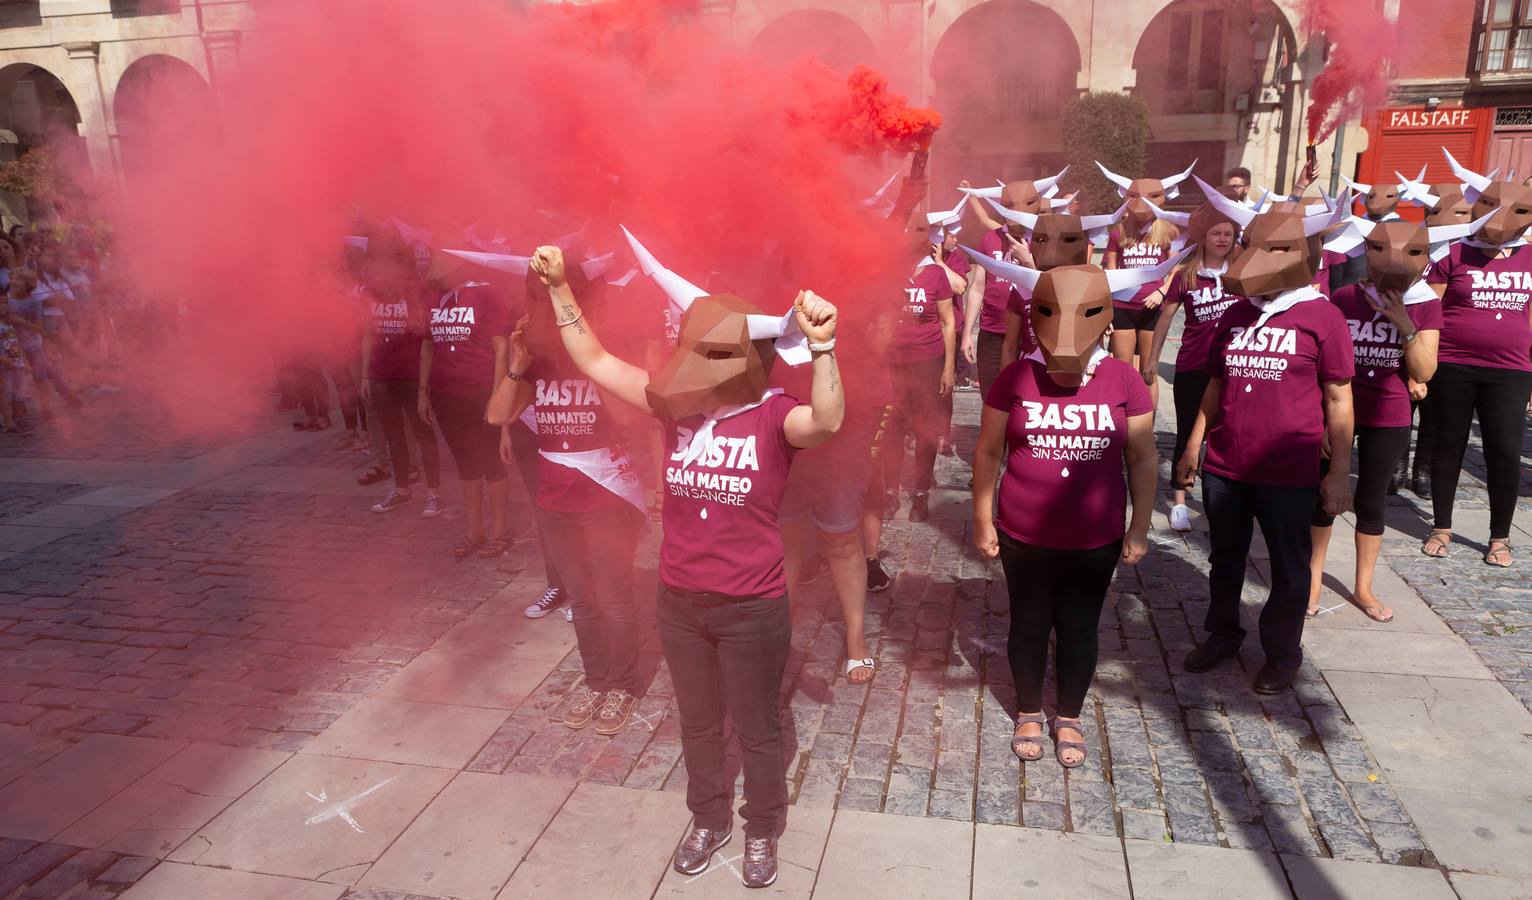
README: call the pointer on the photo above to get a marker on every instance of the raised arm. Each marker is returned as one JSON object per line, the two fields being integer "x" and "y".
{"x": 617, "y": 377}
{"x": 512, "y": 393}
{"x": 814, "y": 423}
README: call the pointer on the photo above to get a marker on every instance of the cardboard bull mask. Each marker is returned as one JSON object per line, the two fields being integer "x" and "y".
{"x": 1197, "y": 223}
{"x": 1397, "y": 254}
{"x": 725, "y": 349}
{"x": 1144, "y": 193}
{"x": 1451, "y": 207}
{"x": 1509, "y": 202}
{"x": 1029, "y": 197}
{"x": 1378, "y": 199}
{"x": 1281, "y": 250}
{"x": 1059, "y": 239}
{"x": 716, "y": 364}
{"x": 1072, "y": 306}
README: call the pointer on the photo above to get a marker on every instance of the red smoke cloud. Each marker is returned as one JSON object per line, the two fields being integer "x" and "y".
{"x": 528, "y": 124}
{"x": 1355, "y": 79}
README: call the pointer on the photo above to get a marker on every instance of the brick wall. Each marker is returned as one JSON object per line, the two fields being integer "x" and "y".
{"x": 1435, "y": 38}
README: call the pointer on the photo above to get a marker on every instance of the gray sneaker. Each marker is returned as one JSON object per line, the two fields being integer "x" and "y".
{"x": 395, "y": 499}
{"x": 433, "y": 507}
{"x": 760, "y": 868}
{"x": 697, "y": 849}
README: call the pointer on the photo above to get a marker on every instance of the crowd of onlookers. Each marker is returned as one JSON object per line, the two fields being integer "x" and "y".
{"x": 57, "y": 336}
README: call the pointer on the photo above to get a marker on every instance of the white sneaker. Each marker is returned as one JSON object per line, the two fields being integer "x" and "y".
{"x": 1180, "y": 517}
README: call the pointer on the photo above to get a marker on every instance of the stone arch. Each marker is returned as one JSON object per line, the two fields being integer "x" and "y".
{"x": 37, "y": 109}
{"x": 1001, "y": 73}
{"x": 160, "y": 102}
{"x": 830, "y": 37}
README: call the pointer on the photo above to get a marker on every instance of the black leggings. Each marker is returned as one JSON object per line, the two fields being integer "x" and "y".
{"x": 1056, "y": 592}
{"x": 1187, "y": 391}
{"x": 473, "y": 442}
{"x": 396, "y": 401}
{"x": 345, "y": 392}
{"x": 1499, "y": 398}
{"x": 1378, "y": 452}
{"x": 918, "y": 411}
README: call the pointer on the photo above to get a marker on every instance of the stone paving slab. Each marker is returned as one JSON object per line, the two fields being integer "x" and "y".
{"x": 20, "y": 538}
{"x": 1385, "y": 652}
{"x": 874, "y": 855}
{"x": 403, "y": 731}
{"x": 125, "y": 496}
{"x": 1335, "y": 879}
{"x": 1164, "y": 871}
{"x": 318, "y": 818}
{"x": 441, "y": 676}
{"x": 48, "y": 799}
{"x": 1490, "y": 887}
{"x": 606, "y": 841}
{"x": 799, "y": 852}
{"x": 172, "y": 881}
{"x": 471, "y": 838}
{"x": 1011, "y": 862}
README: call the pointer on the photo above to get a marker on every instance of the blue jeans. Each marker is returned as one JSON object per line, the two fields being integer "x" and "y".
{"x": 1233, "y": 508}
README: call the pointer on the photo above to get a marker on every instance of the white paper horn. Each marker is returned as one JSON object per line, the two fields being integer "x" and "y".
{"x": 1416, "y": 190}
{"x": 1313, "y": 225}
{"x": 355, "y": 240}
{"x": 1024, "y": 278}
{"x": 1459, "y": 230}
{"x": 1047, "y": 187}
{"x": 1172, "y": 184}
{"x": 1095, "y": 223}
{"x": 1062, "y": 202}
{"x": 1122, "y": 183}
{"x": 1025, "y": 220}
{"x": 1180, "y": 220}
{"x": 1126, "y": 282}
{"x": 680, "y": 291}
{"x": 792, "y": 345}
{"x": 1467, "y": 176}
{"x": 1349, "y": 240}
{"x": 500, "y": 262}
{"x": 1231, "y": 209}
{"x": 1356, "y": 185}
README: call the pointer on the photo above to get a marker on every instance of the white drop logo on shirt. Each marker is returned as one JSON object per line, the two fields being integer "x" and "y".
{"x": 1247, "y": 388}
{"x": 1064, "y": 473}
{"x": 704, "y": 512}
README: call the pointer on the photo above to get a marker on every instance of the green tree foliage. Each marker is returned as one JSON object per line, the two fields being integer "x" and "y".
{"x": 1112, "y": 128}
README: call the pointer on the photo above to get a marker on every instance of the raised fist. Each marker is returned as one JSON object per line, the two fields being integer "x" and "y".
{"x": 548, "y": 263}
{"x": 816, "y": 317}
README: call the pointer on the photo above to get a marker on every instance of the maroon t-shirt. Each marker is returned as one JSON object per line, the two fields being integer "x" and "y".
{"x": 572, "y": 417}
{"x": 918, "y": 334}
{"x": 1271, "y": 420}
{"x": 1136, "y": 256}
{"x": 1484, "y": 310}
{"x": 1022, "y": 307}
{"x": 1380, "y": 392}
{"x": 959, "y": 262}
{"x": 396, "y": 336}
{"x": 997, "y": 290}
{"x": 463, "y": 322}
{"x": 1064, "y": 485}
{"x": 720, "y": 515}
{"x": 1204, "y": 304}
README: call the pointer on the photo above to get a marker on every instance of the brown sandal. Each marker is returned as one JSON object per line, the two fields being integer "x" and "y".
{"x": 1060, "y": 744}
{"x": 465, "y": 549}
{"x": 492, "y": 549}
{"x": 1437, "y": 543}
{"x": 1032, "y": 742}
{"x": 1502, "y": 552}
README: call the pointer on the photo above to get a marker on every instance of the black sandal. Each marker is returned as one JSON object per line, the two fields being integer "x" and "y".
{"x": 1059, "y": 746}
{"x": 465, "y": 548}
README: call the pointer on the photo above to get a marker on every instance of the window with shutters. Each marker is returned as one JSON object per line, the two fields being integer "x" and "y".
{"x": 1503, "y": 37}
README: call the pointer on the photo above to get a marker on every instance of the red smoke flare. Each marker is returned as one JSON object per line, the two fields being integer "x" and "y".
{"x": 530, "y": 124}
{"x": 1355, "y": 79}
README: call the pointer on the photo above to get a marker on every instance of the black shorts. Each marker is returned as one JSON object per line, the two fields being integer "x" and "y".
{"x": 1135, "y": 318}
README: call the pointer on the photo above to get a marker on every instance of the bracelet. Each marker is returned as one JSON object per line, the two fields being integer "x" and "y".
{"x": 573, "y": 321}
{"x": 513, "y": 376}
{"x": 826, "y": 347}
{"x": 1410, "y": 338}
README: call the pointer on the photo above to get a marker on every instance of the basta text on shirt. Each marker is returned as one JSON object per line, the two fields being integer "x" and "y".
{"x": 1378, "y": 343}
{"x": 1261, "y": 353}
{"x": 558, "y": 406}
{"x": 702, "y": 480}
{"x": 452, "y": 323}
{"x": 1500, "y": 290}
{"x": 1141, "y": 256}
{"x": 1208, "y": 303}
{"x": 390, "y": 318}
{"x": 916, "y": 303}
{"x": 1068, "y": 432}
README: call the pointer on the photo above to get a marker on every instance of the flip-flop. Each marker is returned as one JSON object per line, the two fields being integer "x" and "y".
{"x": 1504, "y": 547}
{"x": 465, "y": 549}
{"x": 1439, "y": 538}
{"x": 855, "y": 665}
{"x": 1374, "y": 612}
{"x": 492, "y": 549}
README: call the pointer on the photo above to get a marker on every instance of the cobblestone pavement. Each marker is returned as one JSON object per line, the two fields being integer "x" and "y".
{"x": 254, "y": 608}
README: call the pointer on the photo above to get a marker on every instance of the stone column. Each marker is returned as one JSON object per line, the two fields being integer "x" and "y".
{"x": 83, "y": 77}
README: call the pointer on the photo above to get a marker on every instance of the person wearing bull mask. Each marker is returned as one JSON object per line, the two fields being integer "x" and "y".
{"x": 1485, "y": 369}
{"x": 1380, "y": 203}
{"x": 1395, "y": 320}
{"x": 1063, "y": 419}
{"x": 1053, "y": 239}
{"x": 1445, "y": 205}
{"x": 989, "y": 296}
{"x": 1197, "y": 286}
{"x": 1279, "y": 391}
{"x": 722, "y": 605}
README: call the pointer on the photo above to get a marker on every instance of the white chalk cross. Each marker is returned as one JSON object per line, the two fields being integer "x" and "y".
{"x": 728, "y": 863}
{"x": 341, "y": 810}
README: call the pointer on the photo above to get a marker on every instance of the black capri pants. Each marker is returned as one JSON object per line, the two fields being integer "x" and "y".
{"x": 473, "y": 442}
{"x": 1378, "y": 452}
{"x": 1187, "y": 391}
